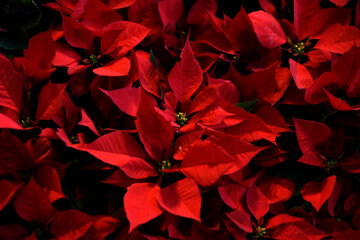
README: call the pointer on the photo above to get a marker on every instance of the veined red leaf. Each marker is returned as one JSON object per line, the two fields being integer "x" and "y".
{"x": 65, "y": 55}
{"x": 87, "y": 122}
{"x": 126, "y": 99}
{"x": 205, "y": 98}
{"x": 310, "y": 134}
{"x": 242, "y": 219}
{"x": 304, "y": 14}
{"x": 336, "y": 103}
{"x": 50, "y": 100}
{"x": 76, "y": 34}
{"x": 14, "y": 153}
{"x": 281, "y": 219}
{"x": 347, "y": 68}
{"x": 315, "y": 93}
{"x": 115, "y": 4}
{"x": 48, "y": 177}
{"x": 38, "y": 57}
{"x": 7, "y": 190}
{"x": 301, "y": 75}
{"x": 120, "y": 37}
{"x": 11, "y": 85}
{"x": 33, "y": 204}
{"x": 339, "y": 39}
{"x": 267, "y": 29}
{"x": 340, "y": 3}
{"x": 206, "y": 162}
{"x": 276, "y": 189}
{"x": 6, "y": 122}
{"x": 232, "y": 194}
{"x": 115, "y": 68}
{"x": 148, "y": 73}
{"x": 186, "y": 76}
{"x": 97, "y": 15}
{"x": 182, "y": 199}
{"x": 156, "y": 132}
{"x": 317, "y": 193}
{"x": 257, "y": 202}
{"x": 140, "y": 202}
{"x": 70, "y": 224}
{"x": 122, "y": 150}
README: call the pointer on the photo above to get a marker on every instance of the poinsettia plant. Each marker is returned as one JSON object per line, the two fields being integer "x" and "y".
{"x": 179, "y": 119}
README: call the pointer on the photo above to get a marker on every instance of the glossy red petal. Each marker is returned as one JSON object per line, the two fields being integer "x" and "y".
{"x": 122, "y": 150}
{"x": 70, "y": 224}
{"x": 7, "y": 189}
{"x": 182, "y": 199}
{"x": 242, "y": 219}
{"x": 76, "y": 34}
{"x": 186, "y": 76}
{"x": 50, "y": 100}
{"x": 155, "y": 131}
{"x": 148, "y": 73}
{"x": 206, "y": 162}
{"x": 33, "y": 204}
{"x": 115, "y": 68}
{"x": 300, "y": 74}
{"x": 140, "y": 202}
{"x": 281, "y": 219}
{"x": 126, "y": 99}
{"x": 120, "y": 37}
{"x": 257, "y": 202}
{"x": 11, "y": 85}
{"x": 276, "y": 189}
{"x": 317, "y": 193}
{"x": 339, "y": 39}
{"x": 267, "y": 29}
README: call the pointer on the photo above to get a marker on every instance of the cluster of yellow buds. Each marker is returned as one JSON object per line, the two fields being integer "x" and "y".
{"x": 299, "y": 48}
{"x": 26, "y": 123}
{"x": 165, "y": 165}
{"x": 181, "y": 118}
{"x": 260, "y": 232}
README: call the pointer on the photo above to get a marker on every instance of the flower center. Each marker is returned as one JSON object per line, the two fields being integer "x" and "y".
{"x": 165, "y": 165}
{"x": 259, "y": 232}
{"x": 299, "y": 48}
{"x": 26, "y": 123}
{"x": 181, "y": 118}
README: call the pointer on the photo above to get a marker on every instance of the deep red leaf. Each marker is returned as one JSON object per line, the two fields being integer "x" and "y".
{"x": 122, "y": 150}
{"x": 140, "y": 202}
{"x": 267, "y": 29}
{"x": 50, "y": 100}
{"x": 76, "y": 34}
{"x": 70, "y": 224}
{"x": 7, "y": 189}
{"x": 186, "y": 76}
{"x": 182, "y": 199}
{"x": 156, "y": 132}
{"x": 242, "y": 219}
{"x": 33, "y": 204}
{"x": 11, "y": 85}
{"x": 206, "y": 162}
{"x": 300, "y": 74}
{"x": 120, "y": 37}
{"x": 126, "y": 99}
{"x": 115, "y": 68}
{"x": 339, "y": 39}
{"x": 257, "y": 202}
{"x": 276, "y": 189}
{"x": 317, "y": 193}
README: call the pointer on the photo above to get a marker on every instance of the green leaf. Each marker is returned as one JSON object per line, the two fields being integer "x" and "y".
{"x": 248, "y": 106}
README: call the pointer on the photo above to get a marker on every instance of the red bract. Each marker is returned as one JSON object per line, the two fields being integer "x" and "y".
{"x": 171, "y": 119}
